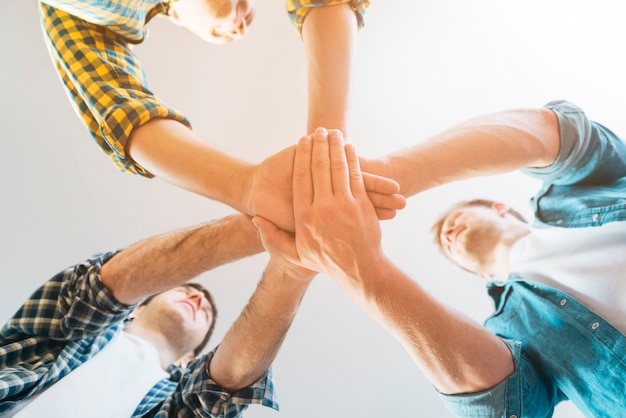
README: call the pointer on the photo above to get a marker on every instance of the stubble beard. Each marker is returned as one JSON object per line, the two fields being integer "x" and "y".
{"x": 480, "y": 244}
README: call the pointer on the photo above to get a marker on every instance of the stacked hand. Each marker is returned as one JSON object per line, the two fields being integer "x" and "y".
{"x": 271, "y": 190}
{"x": 337, "y": 229}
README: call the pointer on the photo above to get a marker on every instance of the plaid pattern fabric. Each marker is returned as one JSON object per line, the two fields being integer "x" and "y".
{"x": 127, "y": 18}
{"x": 70, "y": 319}
{"x": 88, "y": 41}
{"x": 298, "y": 10}
{"x": 105, "y": 82}
{"x": 64, "y": 323}
{"x": 202, "y": 397}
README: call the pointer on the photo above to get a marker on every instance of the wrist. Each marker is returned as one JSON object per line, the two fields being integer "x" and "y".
{"x": 407, "y": 172}
{"x": 240, "y": 188}
{"x": 365, "y": 275}
{"x": 239, "y": 235}
{"x": 288, "y": 275}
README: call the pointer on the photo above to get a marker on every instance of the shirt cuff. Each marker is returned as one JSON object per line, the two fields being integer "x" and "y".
{"x": 207, "y": 398}
{"x": 299, "y": 9}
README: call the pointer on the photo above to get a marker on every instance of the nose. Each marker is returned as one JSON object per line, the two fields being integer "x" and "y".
{"x": 196, "y": 299}
{"x": 238, "y": 30}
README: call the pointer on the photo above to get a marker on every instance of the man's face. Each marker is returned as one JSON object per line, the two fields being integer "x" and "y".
{"x": 215, "y": 21}
{"x": 183, "y": 315}
{"x": 470, "y": 235}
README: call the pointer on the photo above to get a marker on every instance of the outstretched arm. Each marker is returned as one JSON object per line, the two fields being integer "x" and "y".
{"x": 487, "y": 145}
{"x": 253, "y": 341}
{"x": 169, "y": 150}
{"x": 329, "y": 36}
{"x": 456, "y": 354}
{"x": 165, "y": 261}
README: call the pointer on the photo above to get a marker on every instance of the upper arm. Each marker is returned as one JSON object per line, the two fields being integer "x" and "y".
{"x": 588, "y": 152}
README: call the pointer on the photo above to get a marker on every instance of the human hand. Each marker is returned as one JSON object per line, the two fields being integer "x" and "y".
{"x": 271, "y": 195}
{"x": 337, "y": 229}
{"x": 282, "y": 262}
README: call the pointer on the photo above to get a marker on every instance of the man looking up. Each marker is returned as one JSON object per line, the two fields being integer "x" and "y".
{"x": 71, "y": 351}
{"x": 560, "y": 295}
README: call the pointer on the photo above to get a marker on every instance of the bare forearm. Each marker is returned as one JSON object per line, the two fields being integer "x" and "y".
{"x": 168, "y": 260}
{"x": 329, "y": 37}
{"x": 487, "y": 145}
{"x": 454, "y": 352}
{"x": 253, "y": 341}
{"x": 172, "y": 152}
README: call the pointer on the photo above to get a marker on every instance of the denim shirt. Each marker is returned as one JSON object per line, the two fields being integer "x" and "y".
{"x": 561, "y": 350}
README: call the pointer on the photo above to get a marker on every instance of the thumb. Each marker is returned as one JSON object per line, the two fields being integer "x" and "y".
{"x": 273, "y": 238}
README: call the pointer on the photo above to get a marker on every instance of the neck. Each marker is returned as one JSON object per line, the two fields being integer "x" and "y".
{"x": 502, "y": 252}
{"x": 168, "y": 353}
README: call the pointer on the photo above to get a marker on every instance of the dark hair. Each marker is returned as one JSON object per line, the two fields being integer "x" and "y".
{"x": 209, "y": 298}
{"x": 438, "y": 225}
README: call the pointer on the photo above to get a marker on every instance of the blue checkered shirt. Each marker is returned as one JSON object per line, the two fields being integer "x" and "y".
{"x": 70, "y": 319}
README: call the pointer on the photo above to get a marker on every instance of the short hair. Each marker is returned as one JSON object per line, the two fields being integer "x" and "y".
{"x": 438, "y": 225}
{"x": 209, "y": 298}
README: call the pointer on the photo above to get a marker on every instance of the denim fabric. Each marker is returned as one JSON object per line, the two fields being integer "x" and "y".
{"x": 586, "y": 185}
{"x": 561, "y": 350}
{"x": 511, "y": 397}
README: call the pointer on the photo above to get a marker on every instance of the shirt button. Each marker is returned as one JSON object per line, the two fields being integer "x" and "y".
{"x": 559, "y": 222}
{"x": 595, "y": 325}
{"x": 595, "y": 217}
{"x": 513, "y": 416}
{"x": 563, "y": 302}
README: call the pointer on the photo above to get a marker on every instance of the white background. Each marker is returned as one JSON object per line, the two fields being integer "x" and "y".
{"x": 422, "y": 67}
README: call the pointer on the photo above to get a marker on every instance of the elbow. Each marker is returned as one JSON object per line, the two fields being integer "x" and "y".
{"x": 232, "y": 378}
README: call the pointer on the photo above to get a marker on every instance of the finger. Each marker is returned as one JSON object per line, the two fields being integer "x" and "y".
{"x": 385, "y": 214}
{"x": 356, "y": 179}
{"x": 379, "y": 184}
{"x": 320, "y": 165}
{"x": 338, "y": 163}
{"x": 387, "y": 201}
{"x": 302, "y": 181}
{"x": 275, "y": 240}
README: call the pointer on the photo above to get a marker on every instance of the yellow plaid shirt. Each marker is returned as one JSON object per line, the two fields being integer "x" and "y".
{"x": 88, "y": 41}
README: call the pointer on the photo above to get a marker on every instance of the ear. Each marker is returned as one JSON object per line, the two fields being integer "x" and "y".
{"x": 501, "y": 208}
{"x": 184, "y": 360}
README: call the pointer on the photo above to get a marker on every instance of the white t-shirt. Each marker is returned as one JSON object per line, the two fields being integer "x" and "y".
{"x": 109, "y": 385}
{"x": 588, "y": 264}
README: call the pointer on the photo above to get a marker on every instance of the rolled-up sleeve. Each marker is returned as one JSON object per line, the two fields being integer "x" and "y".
{"x": 299, "y": 9}
{"x": 197, "y": 394}
{"x": 105, "y": 82}
{"x": 589, "y": 153}
{"x": 72, "y": 305}
{"x": 523, "y": 391}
